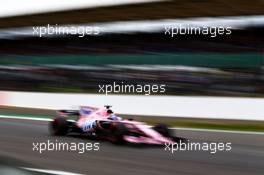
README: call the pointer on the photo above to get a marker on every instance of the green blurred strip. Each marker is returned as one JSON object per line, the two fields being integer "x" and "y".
{"x": 202, "y": 59}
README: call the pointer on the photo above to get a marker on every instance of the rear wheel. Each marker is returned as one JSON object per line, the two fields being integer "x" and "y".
{"x": 59, "y": 126}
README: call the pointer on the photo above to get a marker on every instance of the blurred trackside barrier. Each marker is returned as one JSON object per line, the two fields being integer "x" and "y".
{"x": 3, "y": 98}
{"x": 170, "y": 106}
{"x": 203, "y": 60}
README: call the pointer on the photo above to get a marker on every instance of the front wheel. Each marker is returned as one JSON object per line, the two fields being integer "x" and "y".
{"x": 118, "y": 132}
{"x": 163, "y": 130}
{"x": 166, "y": 132}
{"x": 59, "y": 126}
{"x": 180, "y": 140}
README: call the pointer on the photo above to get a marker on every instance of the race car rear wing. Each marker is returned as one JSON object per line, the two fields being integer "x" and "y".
{"x": 68, "y": 112}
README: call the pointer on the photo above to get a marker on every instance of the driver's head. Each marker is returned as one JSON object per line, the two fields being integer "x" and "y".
{"x": 109, "y": 112}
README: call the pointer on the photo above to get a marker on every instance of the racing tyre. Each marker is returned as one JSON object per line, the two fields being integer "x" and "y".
{"x": 180, "y": 140}
{"x": 59, "y": 126}
{"x": 118, "y": 133}
{"x": 163, "y": 130}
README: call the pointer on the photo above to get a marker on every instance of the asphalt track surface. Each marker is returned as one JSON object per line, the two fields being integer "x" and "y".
{"x": 245, "y": 158}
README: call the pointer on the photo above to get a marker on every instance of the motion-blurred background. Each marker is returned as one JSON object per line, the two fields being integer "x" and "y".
{"x": 132, "y": 48}
{"x": 138, "y": 51}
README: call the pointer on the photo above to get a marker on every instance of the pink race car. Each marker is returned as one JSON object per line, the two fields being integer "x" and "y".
{"x": 104, "y": 124}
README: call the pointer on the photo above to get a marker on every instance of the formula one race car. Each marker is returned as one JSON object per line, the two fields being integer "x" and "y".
{"x": 104, "y": 124}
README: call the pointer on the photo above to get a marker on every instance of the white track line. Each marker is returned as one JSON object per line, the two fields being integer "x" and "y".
{"x": 218, "y": 130}
{"x": 55, "y": 172}
{"x": 25, "y": 118}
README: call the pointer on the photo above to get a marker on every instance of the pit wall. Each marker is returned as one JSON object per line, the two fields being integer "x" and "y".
{"x": 167, "y": 106}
